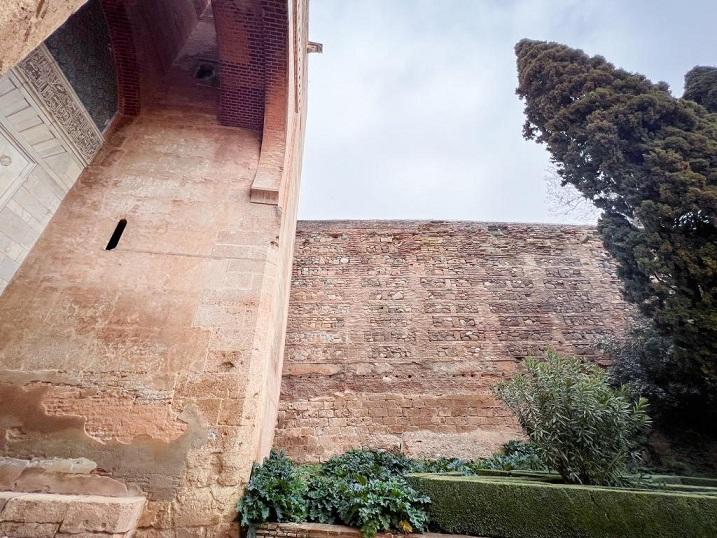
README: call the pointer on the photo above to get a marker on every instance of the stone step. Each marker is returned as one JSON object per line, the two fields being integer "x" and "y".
{"x": 49, "y": 515}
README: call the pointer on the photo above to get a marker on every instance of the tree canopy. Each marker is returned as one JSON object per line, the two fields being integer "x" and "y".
{"x": 701, "y": 86}
{"x": 649, "y": 161}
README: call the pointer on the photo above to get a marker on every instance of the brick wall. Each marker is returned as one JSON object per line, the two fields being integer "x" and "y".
{"x": 399, "y": 330}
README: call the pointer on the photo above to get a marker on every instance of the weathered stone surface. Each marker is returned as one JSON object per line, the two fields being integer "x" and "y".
{"x": 160, "y": 360}
{"x": 24, "y": 24}
{"x": 399, "y": 330}
{"x": 12, "y": 529}
{"x": 102, "y": 514}
{"x": 39, "y": 514}
{"x": 36, "y": 508}
{"x": 319, "y": 530}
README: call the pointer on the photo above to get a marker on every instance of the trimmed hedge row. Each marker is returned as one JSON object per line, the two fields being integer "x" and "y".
{"x": 526, "y": 507}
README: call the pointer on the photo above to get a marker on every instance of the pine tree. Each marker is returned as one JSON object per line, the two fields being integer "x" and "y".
{"x": 701, "y": 86}
{"x": 649, "y": 162}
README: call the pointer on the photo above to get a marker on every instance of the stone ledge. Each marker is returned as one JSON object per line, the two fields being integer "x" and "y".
{"x": 40, "y": 515}
{"x": 320, "y": 530}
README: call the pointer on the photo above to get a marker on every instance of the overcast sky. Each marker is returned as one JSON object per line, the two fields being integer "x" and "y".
{"x": 412, "y": 106}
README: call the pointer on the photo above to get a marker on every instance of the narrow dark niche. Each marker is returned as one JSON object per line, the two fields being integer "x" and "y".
{"x": 114, "y": 240}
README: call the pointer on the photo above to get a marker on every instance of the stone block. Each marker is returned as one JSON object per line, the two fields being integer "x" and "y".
{"x": 102, "y": 514}
{"x": 14, "y": 529}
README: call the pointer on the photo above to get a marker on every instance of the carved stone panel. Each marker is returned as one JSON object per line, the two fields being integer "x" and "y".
{"x": 14, "y": 166}
{"x": 40, "y": 71}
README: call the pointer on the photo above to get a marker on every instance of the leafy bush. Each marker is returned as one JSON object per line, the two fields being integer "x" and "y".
{"x": 322, "y": 497}
{"x": 363, "y": 488}
{"x": 442, "y": 465}
{"x": 369, "y": 463}
{"x": 276, "y": 492}
{"x": 376, "y": 505}
{"x": 516, "y": 455}
{"x": 645, "y": 361}
{"x": 582, "y": 427}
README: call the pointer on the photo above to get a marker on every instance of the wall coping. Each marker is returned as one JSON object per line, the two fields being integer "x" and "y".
{"x": 321, "y": 530}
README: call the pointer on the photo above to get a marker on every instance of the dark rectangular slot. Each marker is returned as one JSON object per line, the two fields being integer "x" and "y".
{"x": 114, "y": 240}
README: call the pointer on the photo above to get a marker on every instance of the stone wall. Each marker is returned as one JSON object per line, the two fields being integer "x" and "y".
{"x": 399, "y": 330}
{"x": 160, "y": 361}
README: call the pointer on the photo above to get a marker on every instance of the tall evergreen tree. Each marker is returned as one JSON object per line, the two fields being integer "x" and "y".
{"x": 701, "y": 86}
{"x": 649, "y": 161}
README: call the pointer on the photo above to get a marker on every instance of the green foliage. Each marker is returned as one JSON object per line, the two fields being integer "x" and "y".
{"x": 644, "y": 360}
{"x": 369, "y": 463}
{"x": 322, "y": 497}
{"x": 701, "y": 86}
{"x": 442, "y": 465}
{"x": 582, "y": 427}
{"x": 649, "y": 162}
{"x": 515, "y": 455}
{"x": 363, "y": 488}
{"x": 376, "y": 505}
{"x": 526, "y": 507}
{"x": 275, "y": 492}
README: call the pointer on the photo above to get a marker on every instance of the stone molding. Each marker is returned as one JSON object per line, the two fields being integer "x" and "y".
{"x": 43, "y": 78}
{"x": 15, "y": 165}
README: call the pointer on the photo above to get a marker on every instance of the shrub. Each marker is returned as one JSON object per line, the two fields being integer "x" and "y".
{"x": 376, "y": 505}
{"x": 645, "y": 361}
{"x": 516, "y": 455}
{"x": 322, "y": 498}
{"x": 442, "y": 465}
{"x": 369, "y": 463}
{"x": 582, "y": 427}
{"x": 276, "y": 492}
{"x": 523, "y": 507}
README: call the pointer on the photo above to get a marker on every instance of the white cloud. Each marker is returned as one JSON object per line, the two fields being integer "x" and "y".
{"x": 412, "y": 110}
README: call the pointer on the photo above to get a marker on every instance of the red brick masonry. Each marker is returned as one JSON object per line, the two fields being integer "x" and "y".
{"x": 399, "y": 330}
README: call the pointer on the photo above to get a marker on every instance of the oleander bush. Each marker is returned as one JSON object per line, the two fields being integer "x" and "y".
{"x": 582, "y": 427}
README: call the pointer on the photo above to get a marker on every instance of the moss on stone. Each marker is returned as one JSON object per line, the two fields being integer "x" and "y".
{"x": 522, "y": 507}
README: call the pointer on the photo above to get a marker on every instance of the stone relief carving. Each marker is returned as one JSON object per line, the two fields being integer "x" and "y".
{"x": 44, "y": 77}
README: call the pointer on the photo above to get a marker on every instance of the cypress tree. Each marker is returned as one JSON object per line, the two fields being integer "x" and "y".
{"x": 649, "y": 162}
{"x": 701, "y": 86}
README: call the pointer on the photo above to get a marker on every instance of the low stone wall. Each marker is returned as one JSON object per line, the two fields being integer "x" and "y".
{"x": 318, "y": 530}
{"x": 47, "y": 515}
{"x": 399, "y": 330}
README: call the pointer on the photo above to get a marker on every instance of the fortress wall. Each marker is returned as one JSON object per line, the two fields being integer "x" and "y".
{"x": 160, "y": 361}
{"x": 399, "y": 330}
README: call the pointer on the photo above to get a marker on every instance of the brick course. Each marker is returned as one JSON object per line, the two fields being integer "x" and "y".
{"x": 399, "y": 330}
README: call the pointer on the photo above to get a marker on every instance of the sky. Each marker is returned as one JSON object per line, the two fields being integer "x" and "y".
{"x": 412, "y": 111}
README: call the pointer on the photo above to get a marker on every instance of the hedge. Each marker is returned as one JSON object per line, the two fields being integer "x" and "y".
{"x": 526, "y": 507}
